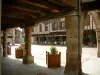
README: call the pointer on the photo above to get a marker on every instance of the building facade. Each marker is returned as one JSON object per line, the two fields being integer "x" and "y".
{"x": 53, "y": 31}
{"x": 18, "y": 35}
{"x": 14, "y": 35}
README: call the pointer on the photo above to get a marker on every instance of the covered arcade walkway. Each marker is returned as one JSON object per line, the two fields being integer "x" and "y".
{"x": 26, "y": 13}
{"x": 13, "y": 66}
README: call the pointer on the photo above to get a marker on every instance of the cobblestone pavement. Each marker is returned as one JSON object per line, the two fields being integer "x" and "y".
{"x": 13, "y": 66}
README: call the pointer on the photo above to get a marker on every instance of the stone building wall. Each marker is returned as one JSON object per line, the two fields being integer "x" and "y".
{"x": 57, "y": 33}
{"x": 41, "y": 36}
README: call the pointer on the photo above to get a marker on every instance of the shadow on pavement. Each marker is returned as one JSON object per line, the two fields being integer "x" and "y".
{"x": 16, "y": 67}
{"x": 84, "y": 74}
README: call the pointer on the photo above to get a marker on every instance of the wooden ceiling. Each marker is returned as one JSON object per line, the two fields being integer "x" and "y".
{"x": 28, "y": 12}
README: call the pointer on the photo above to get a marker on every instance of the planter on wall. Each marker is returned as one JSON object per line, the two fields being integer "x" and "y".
{"x": 9, "y": 50}
{"x": 53, "y": 60}
{"x": 19, "y": 53}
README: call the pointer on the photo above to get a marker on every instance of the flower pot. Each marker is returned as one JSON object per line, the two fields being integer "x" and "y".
{"x": 9, "y": 50}
{"x": 53, "y": 60}
{"x": 19, "y": 53}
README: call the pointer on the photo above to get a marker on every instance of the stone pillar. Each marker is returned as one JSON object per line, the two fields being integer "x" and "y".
{"x": 73, "y": 57}
{"x": 4, "y": 43}
{"x": 96, "y": 17}
{"x": 28, "y": 58}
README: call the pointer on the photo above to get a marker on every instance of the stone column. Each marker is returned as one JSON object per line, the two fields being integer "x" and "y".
{"x": 96, "y": 17}
{"x": 4, "y": 43}
{"x": 73, "y": 57}
{"x": 28, "y": 58}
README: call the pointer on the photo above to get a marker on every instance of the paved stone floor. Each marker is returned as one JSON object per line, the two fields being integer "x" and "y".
{"x": 13, "y": 66}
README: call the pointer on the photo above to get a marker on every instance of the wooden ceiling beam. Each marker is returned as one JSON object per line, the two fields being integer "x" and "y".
{"x": 44, "y": 18}
{"x": 11, "y": 20}
{"x": 8, "y": 10}
{"x": 17, "y": 14}
{"x": 71, "y": 3}
{"x": 50, "y": 4}
{"x": 14, "y": 16}
{"x": 40, "y": 5}
{"x": 26, "y": 10}
{"x": 26, "y": 6}
{"x": 66, "y": 3}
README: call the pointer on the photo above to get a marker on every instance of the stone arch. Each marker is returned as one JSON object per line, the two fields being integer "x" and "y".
{"x": 89, "y": 30}
{"x": 96, "y": 18}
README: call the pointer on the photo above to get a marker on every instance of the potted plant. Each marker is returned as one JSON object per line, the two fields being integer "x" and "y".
{"x": 8, "y": 49}
{"x": 53, "y": 58}
{"x": 20, "y": 51}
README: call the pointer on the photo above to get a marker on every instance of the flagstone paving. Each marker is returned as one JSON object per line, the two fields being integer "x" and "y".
{"x": 13, "y": 66}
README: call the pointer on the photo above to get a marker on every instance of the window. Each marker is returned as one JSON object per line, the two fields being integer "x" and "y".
{"x": 40, "y": 26}
{"x": 55, "y": 26}
{"x": 61, "y": 25}
{"x": 46, "y": 27}
{"x": 15, "y": 32}
{"x": 33, "y": 29}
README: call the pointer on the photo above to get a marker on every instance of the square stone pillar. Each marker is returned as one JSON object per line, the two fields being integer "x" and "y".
{"x": 5, "y": 43}
{"x": 28, "y": 58}
{"x": 73, "y": 56}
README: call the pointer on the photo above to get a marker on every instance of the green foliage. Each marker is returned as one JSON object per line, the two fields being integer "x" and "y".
{"x": 21, "y": 47}
{"x": 53, "y": 50}
{"x": 23, "y": 44}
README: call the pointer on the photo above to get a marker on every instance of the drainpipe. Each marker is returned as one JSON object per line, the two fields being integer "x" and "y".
{"x": 79, "y": 36}
{"x": 79, "y": 27}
